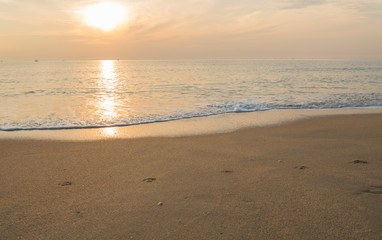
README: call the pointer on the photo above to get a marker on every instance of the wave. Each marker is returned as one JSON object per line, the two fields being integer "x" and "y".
{"x": 215, "y": 109}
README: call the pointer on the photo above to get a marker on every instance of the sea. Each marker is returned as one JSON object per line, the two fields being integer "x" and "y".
{"x": 43, "y": 95}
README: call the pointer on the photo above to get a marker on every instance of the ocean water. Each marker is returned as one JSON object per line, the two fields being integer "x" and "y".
{"x": 87, "y": 94}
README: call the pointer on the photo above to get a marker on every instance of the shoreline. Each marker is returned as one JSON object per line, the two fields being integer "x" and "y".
{"x": 318, "y": 178}
{"x": 220, "y": 123}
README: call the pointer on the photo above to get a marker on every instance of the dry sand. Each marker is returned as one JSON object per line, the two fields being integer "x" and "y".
{"x": 300, "y": 180}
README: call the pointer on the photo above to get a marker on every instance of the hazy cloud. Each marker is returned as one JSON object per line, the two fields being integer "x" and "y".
{"x": 368, "y": 8}
{"x": 292, "y": 4}
{"x": 196, "y": 28}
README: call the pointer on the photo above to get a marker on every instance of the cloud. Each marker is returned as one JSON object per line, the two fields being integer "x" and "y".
{"x": 295, "y": 4}
{"x": 159, "y": 28}
{"x": 370, "y": 8}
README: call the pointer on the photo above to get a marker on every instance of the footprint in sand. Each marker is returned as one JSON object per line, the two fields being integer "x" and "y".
{"x": 150, "y": 179}
{"x": 66, "y": 183}
{"x": 373, "y": 189}
{"x": 358, "y": 161}
{"x": 301, "y": 168}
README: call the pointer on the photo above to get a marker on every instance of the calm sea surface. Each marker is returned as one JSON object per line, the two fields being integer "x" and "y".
{"x": 83, "y": 94}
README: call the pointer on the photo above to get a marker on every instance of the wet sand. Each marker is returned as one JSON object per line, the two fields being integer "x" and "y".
{"x": 319, "y": 178}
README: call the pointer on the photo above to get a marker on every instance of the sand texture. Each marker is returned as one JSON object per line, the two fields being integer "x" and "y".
{"x": 312, "y": 179}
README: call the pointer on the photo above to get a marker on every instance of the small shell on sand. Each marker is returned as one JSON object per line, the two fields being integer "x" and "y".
{"x": 160, "y": 204}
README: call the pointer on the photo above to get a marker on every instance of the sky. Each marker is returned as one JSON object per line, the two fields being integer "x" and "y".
{"x": 193, "y": 29}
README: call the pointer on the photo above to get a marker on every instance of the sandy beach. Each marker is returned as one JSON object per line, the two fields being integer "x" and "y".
{"x": 318, "y": 178}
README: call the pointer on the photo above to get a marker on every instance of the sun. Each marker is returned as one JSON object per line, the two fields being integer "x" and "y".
{"x": 104, "y": 15}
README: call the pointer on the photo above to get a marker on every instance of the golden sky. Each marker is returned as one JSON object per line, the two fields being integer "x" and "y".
{"x": 193, "y": 29}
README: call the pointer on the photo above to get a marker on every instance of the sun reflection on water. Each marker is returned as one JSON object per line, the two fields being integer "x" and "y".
{"x": 110, "y": 131}
{"x": 108, "y": 99}
{"x": 107, "y": 70}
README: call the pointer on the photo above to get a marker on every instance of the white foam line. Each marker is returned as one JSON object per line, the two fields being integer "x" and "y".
{"x": 191, "y": 126}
